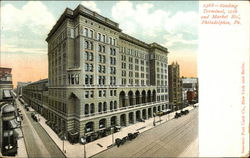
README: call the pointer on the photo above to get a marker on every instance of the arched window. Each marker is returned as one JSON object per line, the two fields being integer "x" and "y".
{"x": 115, "y": 105}
{"x": 111, "y": 105}
{"x": 86, "y": 46}
{"x": 99, "y": 48}
{"x": 91, "y": 46}
{"x": 91, "y": 33}
{"x": 105, "y": 107}
{"x": 91, "y": 79}
{"x": 85, "y": 33}
{"x": 92, "y": 108}
{"x": 86, "y": 79}
{"x": 100, "y": 107}
{"x": 86, "y": 109}
{"x": 103, "y": 49}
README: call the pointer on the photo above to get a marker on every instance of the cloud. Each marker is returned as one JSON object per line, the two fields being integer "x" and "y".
{"x": 14, "y": 49}
{"x": 182, "y": 21}
{"x": 149, "y": 22}
{"x": 172, "y": 39}
{"x": 127, "y": 14}
{"x": 23, "y": 30}
{"x": 91, "y": 5}
{"x": 33, "y": 15}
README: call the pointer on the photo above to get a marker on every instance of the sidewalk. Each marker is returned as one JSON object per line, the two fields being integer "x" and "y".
{"x": 77, "y": 150}
{"x": 21, "y": 150}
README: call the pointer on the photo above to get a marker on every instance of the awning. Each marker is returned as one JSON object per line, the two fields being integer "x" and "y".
{"x": 18, "y": 132}
{"x": 166, "y": 110}
{"x": 14, "y": 124}
{"x": 7, "y": 133}
{"x": 6, "y": 93}
{"x": 13, "y": 93}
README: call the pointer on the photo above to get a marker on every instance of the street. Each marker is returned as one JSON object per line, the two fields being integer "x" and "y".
{"x": 175, "y": 138}
{"x": 37, "y": 141}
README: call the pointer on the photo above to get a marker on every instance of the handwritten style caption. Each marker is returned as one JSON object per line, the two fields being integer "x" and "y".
{"x": 220, "y": 14}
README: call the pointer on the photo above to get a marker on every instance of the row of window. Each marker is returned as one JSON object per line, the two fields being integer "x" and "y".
{"x": 102, "y": 107}
{"x": 112, "y": 60}
{"x": 101, "y": 69}
{"x": 101, "y": 48}
{"x": 89, "y": 79}
{"x": 89, "y": 67}
{"x": 101, "y": 93}
{"x": 89, "y": 56}
{"x": 89, "y": 45}
{"x": 135, "y": 53}
{"x": 73, "y": 79}
{"x": 102, "y": 58}
{"x": 137, "y": 82}
{"x": 112, "y": 70}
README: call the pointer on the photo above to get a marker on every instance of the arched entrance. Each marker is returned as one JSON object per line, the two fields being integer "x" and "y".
{"x": 122, "y": 99}
{"x": 154, "y": 110}
{"x": 149, "y": 96}
{"x": 123, "y": 120}
{"x": 144, "y": 114}
{"x": 130, "y": 98}
{"x": 102, "y": 123}
{"x": 113, "y": 121}
{"x": 137, "y": 96}
{"x": 131, "y": 117}
{"x": 89, "y": 127}
{"x": 154, "y": 95}
{"x": 138, "y": 115}
{"x": 149, "y": 112}
{"x": 143, "y": 96}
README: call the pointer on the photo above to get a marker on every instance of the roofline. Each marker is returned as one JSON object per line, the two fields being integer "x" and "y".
{"x": 81, "y": 10}
{"x": 39, "y": 81}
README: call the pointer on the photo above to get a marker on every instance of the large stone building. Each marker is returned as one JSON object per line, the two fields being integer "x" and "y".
{"x": 175, "y": 85}
{"x": 100, "y": 77}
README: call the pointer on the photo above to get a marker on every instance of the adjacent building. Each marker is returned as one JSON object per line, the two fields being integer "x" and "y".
{"x": 190, "y": 89}
{"x": 35, "y": 95}
{"x": 9, "y": 121}
{"x": 100, "y": 77}
{"x": 6, "y": 85}
{"x": 20, "y": 86}
{"x": 175, "y": 86}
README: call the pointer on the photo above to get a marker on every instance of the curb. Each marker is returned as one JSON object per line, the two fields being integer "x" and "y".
{"x": 139, "y": 134}
{"x": 52, "y": 139}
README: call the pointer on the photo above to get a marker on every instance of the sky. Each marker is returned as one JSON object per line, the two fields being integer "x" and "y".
{"x": 26, "y": 24}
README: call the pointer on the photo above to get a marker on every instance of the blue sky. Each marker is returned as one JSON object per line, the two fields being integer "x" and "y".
{"x": 173, "y": 24}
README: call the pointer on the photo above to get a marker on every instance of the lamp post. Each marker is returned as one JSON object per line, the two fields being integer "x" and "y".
{"x": 64, "y": 138}
{"x": 112, "y": 130}
{"x": 154, "y": 119}
{"x": 83, "y": 141}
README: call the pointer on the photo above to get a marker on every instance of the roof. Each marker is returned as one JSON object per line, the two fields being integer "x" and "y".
{"x": 40, "y": 81}
{"x": 81, "y": 10}
{"x": 8, "y": 108}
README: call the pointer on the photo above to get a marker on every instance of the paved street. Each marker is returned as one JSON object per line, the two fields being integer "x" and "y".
{"x": 175, "y": 138}
{"x": 37, "y": 141}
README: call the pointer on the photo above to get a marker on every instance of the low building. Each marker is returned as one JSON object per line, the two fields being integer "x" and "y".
{"x": 6, "y": 85}
{"x": 35, "y": 95}
{"x": 20, "y": 86}
{"x": 190, "y": 89}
